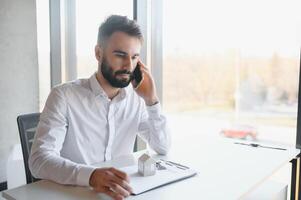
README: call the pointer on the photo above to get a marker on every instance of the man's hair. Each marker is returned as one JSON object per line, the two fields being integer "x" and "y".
{"x": 116, "y": 23}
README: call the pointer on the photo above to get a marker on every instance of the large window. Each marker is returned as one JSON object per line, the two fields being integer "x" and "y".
{"x": 89, "y": 15}
{"x": 231, "y": 69}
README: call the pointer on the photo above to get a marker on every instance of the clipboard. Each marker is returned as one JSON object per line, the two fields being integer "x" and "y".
{"x": 141, "y": 184}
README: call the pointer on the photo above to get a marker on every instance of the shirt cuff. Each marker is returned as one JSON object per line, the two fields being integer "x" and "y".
{"x": 154, "y": 111}
{"x": 84, "y": 174}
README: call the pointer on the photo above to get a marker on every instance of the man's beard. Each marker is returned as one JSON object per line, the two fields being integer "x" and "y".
{"x": 110, "y": 76}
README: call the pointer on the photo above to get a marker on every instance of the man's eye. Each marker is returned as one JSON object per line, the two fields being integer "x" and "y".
{"x": 119, "y": 55}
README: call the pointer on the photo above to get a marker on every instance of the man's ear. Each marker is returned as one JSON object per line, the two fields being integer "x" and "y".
{"x": 98, "y": 53}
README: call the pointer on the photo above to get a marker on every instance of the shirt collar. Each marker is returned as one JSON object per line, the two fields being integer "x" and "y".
{"x": 98, "y": 90}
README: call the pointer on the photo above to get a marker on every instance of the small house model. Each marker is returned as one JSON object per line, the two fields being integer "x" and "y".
{"x": 146, "y": 165}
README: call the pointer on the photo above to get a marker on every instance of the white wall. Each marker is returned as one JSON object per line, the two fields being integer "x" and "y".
{"x": 18, "y": 70}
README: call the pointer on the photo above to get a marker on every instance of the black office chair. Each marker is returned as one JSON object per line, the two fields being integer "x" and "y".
{"x": 27, "y": 125}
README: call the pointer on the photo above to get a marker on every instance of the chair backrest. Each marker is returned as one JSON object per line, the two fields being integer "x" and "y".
{"x": 27, "y": 125}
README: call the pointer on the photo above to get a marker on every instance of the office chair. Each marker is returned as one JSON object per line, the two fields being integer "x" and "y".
{"x": 27, "y": 125}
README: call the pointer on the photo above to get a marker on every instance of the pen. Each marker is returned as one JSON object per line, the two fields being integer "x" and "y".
{"x": 169, "y": 164}
{"x": 258, "y": 145}
{"x": 176, "y": 164}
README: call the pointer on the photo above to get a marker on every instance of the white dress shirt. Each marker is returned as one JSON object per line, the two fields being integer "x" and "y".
{"x": 80, "y": 126}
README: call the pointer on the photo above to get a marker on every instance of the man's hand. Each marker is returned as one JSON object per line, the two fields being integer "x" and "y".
{"x": 112, "y": 182}
{"x": 146, "y": 89}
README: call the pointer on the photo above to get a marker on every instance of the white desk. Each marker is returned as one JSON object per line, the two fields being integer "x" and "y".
{"x": 226, "y": 171}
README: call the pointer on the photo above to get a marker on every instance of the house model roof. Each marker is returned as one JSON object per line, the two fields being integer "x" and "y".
{"x": 145, "y": 158}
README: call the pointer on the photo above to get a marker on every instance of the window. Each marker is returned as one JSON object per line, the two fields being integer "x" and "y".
{"x": 231, "y": 69}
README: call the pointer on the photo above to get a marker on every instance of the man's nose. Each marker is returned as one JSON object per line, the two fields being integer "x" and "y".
{"x": 128, "y": 64}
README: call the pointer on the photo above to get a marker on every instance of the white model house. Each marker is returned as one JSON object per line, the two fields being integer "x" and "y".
{"x": 146, "y": 165}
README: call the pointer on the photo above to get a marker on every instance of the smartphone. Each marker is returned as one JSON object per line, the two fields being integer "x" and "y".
{"x": 137, "y": 75}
